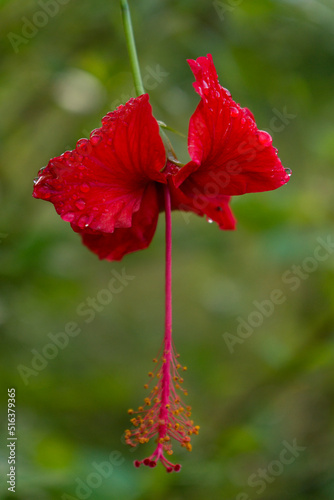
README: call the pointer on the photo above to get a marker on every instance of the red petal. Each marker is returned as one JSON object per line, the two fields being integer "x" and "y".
{"x": 125, "y": 240}
{"x": 101, "y": 183}
{"x": 217, "y": 211}
{"x": 230, "y": 156}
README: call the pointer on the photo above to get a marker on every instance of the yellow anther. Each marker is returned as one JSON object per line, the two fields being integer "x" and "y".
{"x": 150, "y": 374}
{"x": 178, "y": 366}
{"x": 184, "y": 368}
{"x": 140, "y": 408}
{"x": 155, "y": 360}
{"x": 130, "y": 411}
{"x": 189, "y": 447}
{"x": 167, "y": 406}
{"x": 145, "y": 386}
{"x": 169, "y": 452}
{"x": 147, "y": 401}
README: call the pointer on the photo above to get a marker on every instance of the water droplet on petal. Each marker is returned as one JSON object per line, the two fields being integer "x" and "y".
{"x": 288, "y": 171}
{"x": 227, "y": 92}
{"x": 95, "y": 139}
{"x": 264, "y": 138}
{"x": 68, "y": 217}
{"x": 243, "y": 120}
{"x": 210, "y": 221}
{"x": 80, "y": 204}
{"x": 105, "y": 120}
{"x": 83, "y": 147}
{"x": 83, "y": 221}
{"x": 234, "y": 112}
{"x": 84, "y": 187}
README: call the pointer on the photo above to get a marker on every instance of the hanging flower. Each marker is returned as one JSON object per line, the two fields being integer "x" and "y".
{"x": 112, "y": 186}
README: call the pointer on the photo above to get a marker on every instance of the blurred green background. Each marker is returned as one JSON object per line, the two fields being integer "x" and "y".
{"x": 63, "y": 66}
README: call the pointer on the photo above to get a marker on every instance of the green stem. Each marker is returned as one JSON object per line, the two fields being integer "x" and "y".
{"x": 130, "y": 41}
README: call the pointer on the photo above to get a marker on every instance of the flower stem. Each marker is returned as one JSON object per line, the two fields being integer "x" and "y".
{"x": 130, "y": 41}
{"x": 168, "y": 298}
{"x": 168, "y": 349}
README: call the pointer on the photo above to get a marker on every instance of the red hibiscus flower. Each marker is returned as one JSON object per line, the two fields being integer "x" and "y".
{"x": 110, "y": 188}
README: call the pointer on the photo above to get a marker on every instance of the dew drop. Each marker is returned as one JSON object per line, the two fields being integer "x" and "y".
{"x": 83, "y": 147}
{"x": 264, "y": 138}
{"x": 83, "y": 221}
{"x": 68, "y": 217}
{"x": 234, "y": 112}
{"x": 80, "y": 204}
{"x": 210, "y": 221}
{"x": 84, "y": 187}
{"x": 288, "y": 171}
{"x": 105, "y": 120}
{"x": 95, "y": 139}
